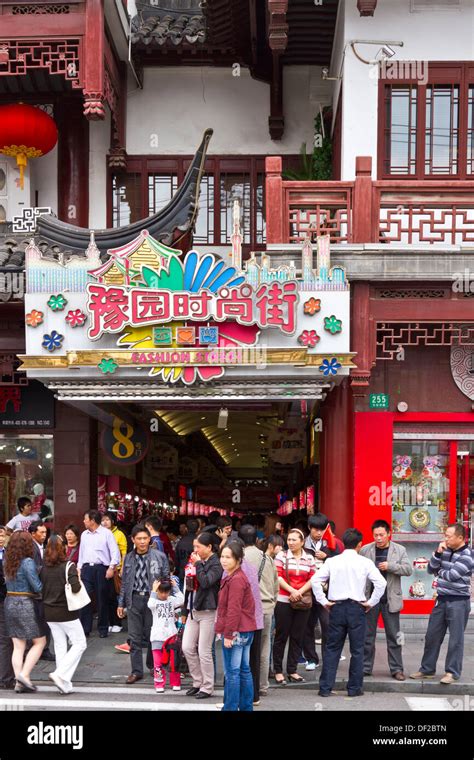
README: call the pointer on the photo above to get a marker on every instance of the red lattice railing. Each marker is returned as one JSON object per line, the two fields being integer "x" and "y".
{"x": 367, "y": 211}
{"x": 322, "y": 208}
{"x": 412, "y": 213}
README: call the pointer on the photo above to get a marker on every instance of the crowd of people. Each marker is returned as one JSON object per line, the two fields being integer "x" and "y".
{"x": 258, "y": 585}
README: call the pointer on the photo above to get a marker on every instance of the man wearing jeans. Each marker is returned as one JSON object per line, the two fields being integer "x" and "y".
{"x": 392, "y": 561}
{"x": 452, "y": 564}
{"x": 141, "y": 567}
{"x": 98, "y": 556}
{"x": 347, "y": 575}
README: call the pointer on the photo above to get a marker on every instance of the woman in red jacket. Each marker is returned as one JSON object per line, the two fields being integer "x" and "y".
{"x": 236, "y": 624}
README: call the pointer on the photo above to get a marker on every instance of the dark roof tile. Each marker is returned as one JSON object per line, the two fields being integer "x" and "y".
{"x": 175, "y": 22}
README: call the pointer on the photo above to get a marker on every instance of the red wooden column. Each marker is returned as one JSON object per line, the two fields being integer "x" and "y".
{"x": 75, "y": 465}
{"x": 373, "y": 444}
{"x": 274, "y": 201}
{"x": 73, "y": 162}
{"x": 337, "y": 457}
{"x": 94, "y": 73}
{"x": 362, "y": 337}
{"x": 362, "y": 202}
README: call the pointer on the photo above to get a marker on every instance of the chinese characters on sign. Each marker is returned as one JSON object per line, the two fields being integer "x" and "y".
{"x": 113, "y": 308}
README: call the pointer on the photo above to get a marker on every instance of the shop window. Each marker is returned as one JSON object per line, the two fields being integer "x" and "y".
{"x": 420, "y": 507}
{"x": 26, "y": 469}
{"x": 426, "y": 127}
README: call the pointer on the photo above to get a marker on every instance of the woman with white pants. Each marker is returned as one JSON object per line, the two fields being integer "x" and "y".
{"x": 65, "y": 625}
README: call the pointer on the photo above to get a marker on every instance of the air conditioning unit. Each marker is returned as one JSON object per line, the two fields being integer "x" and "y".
{"x": 417, "y": 6}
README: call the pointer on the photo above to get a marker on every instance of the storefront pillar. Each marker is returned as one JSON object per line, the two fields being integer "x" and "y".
{"x": 75, "y": 465}
{"x": 336, "y": 465}
{"x": 373, "y": 444}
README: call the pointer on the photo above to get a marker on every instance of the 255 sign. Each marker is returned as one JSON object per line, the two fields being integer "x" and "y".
{"x": 124, "y": 443}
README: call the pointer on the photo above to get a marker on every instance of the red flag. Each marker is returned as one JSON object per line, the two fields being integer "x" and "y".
{"x": 329, "y": 537}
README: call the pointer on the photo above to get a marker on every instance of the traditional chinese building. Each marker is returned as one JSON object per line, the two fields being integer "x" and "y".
{"x": 180, "y": 126}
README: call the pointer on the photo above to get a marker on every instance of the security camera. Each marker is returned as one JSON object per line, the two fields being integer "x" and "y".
{"x": 385, "y": 52}
{"x": 324, "y": 72}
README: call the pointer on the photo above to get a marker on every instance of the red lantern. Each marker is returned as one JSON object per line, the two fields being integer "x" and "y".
{"x": 26, "y": 132}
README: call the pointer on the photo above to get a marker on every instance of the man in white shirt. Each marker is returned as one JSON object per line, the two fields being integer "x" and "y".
{"x": 347, "y": 575}
{"x": 24, "y": 518}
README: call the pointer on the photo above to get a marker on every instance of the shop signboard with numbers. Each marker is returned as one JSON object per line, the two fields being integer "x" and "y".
{"x": 379, "y": 401}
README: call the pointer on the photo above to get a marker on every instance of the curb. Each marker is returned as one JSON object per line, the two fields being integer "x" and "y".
{"x": 401, "y": 687}
{"x": 372, "y": 686}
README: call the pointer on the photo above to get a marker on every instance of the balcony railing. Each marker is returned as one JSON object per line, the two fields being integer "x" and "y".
{"x": 367, "y": 211}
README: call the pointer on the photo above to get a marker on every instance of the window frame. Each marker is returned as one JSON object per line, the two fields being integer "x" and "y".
{"x": 144, "y": 165}
{"x": 448, "y": 73}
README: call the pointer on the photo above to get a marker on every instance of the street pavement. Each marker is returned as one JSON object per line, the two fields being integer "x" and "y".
{"x": 99, "y": 684}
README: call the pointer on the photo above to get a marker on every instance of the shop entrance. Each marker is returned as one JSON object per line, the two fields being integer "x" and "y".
{"x": 195, "y": 458}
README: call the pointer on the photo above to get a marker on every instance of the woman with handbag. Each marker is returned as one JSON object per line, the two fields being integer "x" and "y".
{"x": 295, "y": 568}
{"x": 202, "y": 589}
{"x": 63, "y": 595}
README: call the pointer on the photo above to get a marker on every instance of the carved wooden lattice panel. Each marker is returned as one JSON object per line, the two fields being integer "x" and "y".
{"x": 412, "y": 293}
{"x": 393, "y": 337}
{"x": 58, "y": 56}
{"x": 417, "y": 223}
{"x": 319, "y": 220}
{"x": 40, "y": 10}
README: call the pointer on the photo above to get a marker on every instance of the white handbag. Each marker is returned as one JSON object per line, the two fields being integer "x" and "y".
{"x": 75, "y": 601}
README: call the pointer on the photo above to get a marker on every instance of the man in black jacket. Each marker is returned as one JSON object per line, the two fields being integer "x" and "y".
{"x": 141, "y": 567}
{"x": 185, "y": 547}
{"x": 7, "y": 676}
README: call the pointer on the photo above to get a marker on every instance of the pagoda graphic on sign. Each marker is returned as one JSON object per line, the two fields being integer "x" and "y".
{"x": 125, "y": 263}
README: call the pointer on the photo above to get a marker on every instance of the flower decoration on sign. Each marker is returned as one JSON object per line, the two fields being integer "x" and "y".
{"x": 308, "y": 338}
{"x": 332, "y": 325}
{"x": 57, "y": 303}
{"x": 76, "y": 318}
{"x": 34, "y": 318}
{"x": 329, "y": 367}
{"x": 312, "y": 306}
{"x": 107, "y": 366}
{"x": 53, "y": 341}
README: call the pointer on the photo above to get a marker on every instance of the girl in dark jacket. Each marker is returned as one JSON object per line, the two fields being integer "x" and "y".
{"x": 236, "y": 623}
{"x": 200, "y": 606}
{"x": 65, "y": 625}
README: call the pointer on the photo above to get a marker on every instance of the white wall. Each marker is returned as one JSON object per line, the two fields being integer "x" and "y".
{"x": 427, "y": 36}
{"x": 99, "y": 142}
{"x": 44, "y": 180}
{"x": 177, "y": 104}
